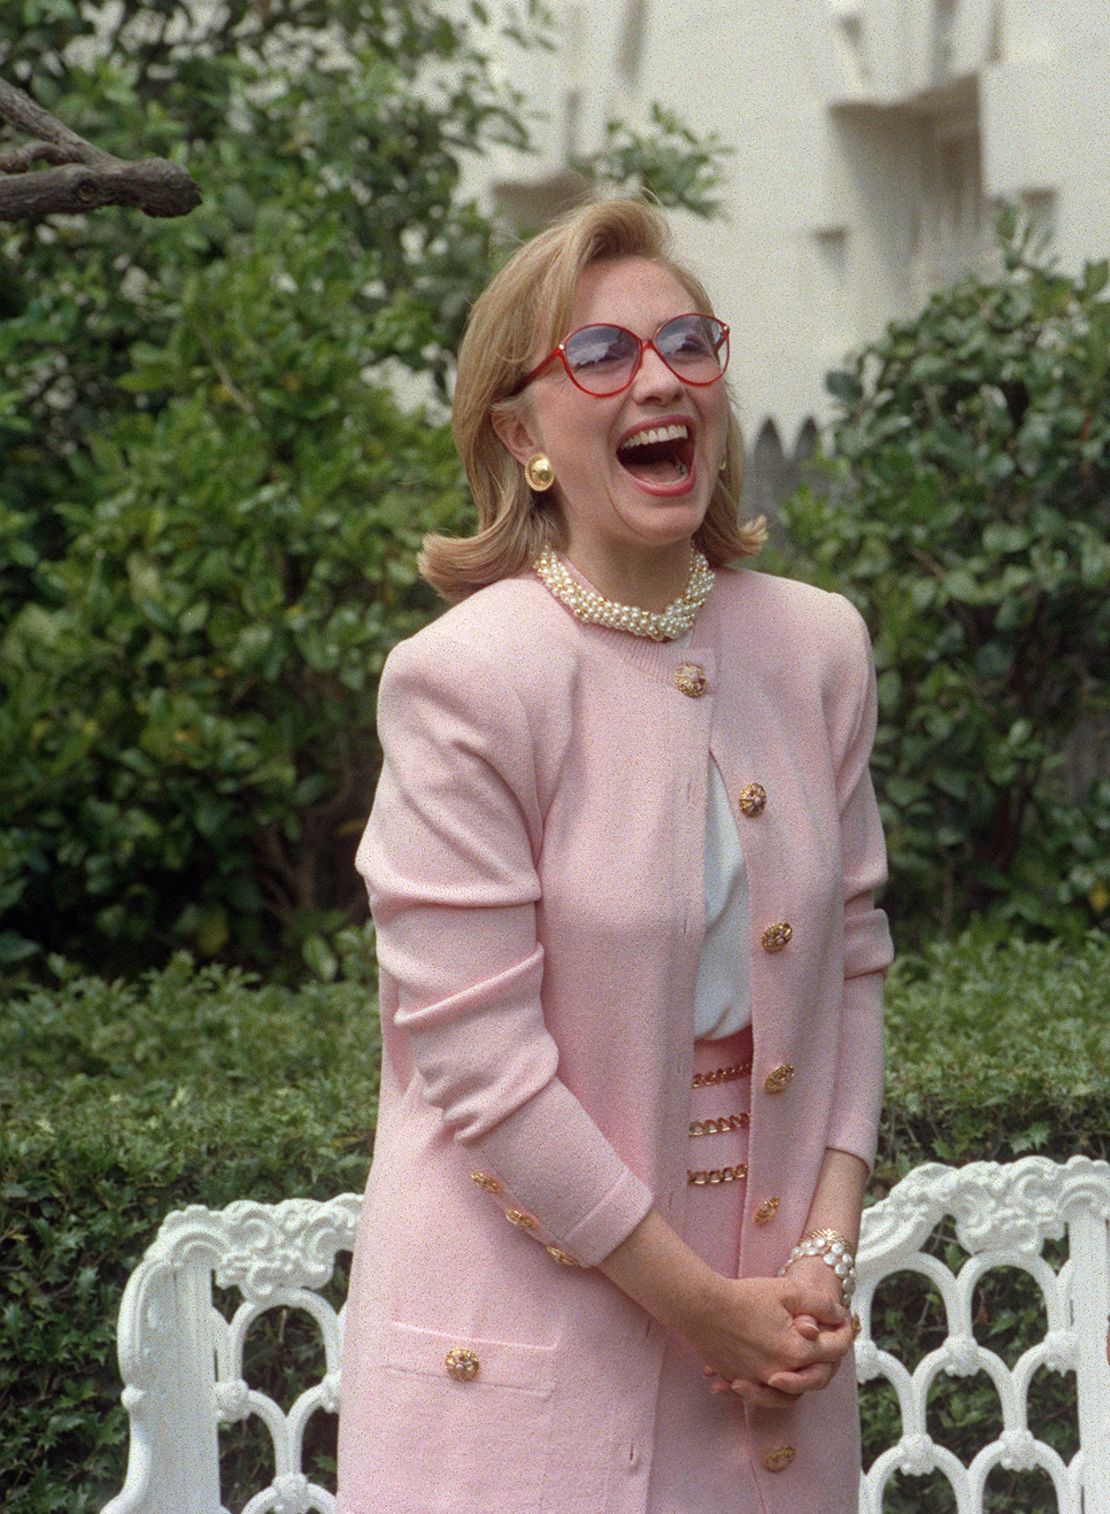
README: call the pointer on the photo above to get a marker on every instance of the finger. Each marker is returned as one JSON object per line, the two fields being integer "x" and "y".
{"x": 761, "y": 1395}
{"x": 833, "y": 1317}
{"x": 801, "y": 1350}
{"x": 806, "y": 1326}
{"x": 837, "y": 1332}
{"x": 797, "y": 1383}
{"x": 825, "y": 1310}
{"x": 804, "y": 1380}
{"x": 833, "y": 1344}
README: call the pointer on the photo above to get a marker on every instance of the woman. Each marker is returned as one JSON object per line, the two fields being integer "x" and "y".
{"x": 621, "y": 861}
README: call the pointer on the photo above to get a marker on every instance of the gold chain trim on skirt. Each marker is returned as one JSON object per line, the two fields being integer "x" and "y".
{"x": 721, "y": 1125}
{"x": 717, "y": 1175}
{"x": 721, "y": 1075}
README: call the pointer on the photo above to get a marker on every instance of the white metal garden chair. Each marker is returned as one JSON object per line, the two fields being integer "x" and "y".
{"x": 182, "y": 1358}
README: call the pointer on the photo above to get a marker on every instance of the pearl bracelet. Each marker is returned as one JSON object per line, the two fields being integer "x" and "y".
{"x": 834, "y": 1251}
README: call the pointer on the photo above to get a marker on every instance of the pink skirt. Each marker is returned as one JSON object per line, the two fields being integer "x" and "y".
{"x": 702, "y": 1460}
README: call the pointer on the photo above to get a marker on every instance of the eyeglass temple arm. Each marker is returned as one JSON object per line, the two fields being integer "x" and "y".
{"x": 556, "y": 352}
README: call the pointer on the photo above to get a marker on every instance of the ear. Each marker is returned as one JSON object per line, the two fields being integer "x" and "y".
{"x": 514, "y": 432}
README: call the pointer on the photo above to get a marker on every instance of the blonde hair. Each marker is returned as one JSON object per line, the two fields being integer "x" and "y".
{"x": 528, "y": 299}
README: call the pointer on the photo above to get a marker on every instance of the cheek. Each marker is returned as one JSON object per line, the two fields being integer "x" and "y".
{"x": 579, "y": 467}
{"x": 716, "y": 413}
{"x": 568, "y": 419}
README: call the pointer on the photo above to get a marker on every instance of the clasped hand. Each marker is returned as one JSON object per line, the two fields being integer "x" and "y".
{"x": 768, "y": 1340}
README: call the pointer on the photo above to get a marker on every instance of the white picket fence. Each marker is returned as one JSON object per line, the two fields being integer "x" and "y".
{"x": 181, "y": 1358}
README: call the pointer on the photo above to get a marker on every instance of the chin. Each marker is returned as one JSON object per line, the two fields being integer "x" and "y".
{"x": 661, "y": 519}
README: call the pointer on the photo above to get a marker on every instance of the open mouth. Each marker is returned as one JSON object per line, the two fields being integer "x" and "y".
{"x": 658, "y": 454}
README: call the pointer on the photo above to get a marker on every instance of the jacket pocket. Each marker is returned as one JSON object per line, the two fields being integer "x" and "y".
{"x": 430, "y": 1442}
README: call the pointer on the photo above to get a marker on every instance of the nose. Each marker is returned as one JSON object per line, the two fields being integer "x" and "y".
{"x": 654, "y": 380}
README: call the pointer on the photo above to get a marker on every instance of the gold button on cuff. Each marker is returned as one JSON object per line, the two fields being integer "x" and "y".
{"x": 487, "y": 1181}
{"x": 753, "y": 800}
{"x": 562, "y": 1256}
{"x": 721, "y": 1075}
{"x": 720, "y": 1126}
{"x": 461, "y": 1364}
{"x": 776, "y": 936}
{"x": 522, "y": 1218}
{"x": 690, "y": 679}
{"x": 711, "y": 1176}
{"x": 767, "y": 1211}
{"x": 778, "y": 1078}
{"x": 779, "y": 1458}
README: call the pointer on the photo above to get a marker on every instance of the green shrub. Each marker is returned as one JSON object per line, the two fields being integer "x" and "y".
{"x": 212, "y": 498}
{"x": 188, "y": 749}
{"x": 967, "y": 513}
{"x": 995, "y": 1051}
{"x": 122, "y": 1102}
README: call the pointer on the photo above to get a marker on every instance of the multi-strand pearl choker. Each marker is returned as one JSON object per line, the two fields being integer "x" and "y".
{"x": 595, "y": 609}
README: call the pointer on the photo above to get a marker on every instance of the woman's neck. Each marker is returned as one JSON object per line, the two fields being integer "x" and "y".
{"x": 650, "y": 581}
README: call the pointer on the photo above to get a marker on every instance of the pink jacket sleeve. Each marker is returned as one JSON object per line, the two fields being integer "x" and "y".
{"x": 449, "y": 857}
{"x": 858, "y": 1094}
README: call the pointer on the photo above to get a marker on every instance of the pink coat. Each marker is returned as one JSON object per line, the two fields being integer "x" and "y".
{"x": 535, "y": 867}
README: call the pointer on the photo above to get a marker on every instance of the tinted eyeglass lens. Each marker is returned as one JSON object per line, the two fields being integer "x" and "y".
{"x": 694, "y": 347}
{"x": 602, "y": 358}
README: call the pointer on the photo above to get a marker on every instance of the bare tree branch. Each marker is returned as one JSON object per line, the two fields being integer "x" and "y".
{"x": 84, "y": 177}
{"x": 19, "y": 159}
{"x": 156, "y": 187}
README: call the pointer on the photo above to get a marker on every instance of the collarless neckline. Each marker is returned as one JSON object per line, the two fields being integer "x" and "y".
{"x": 659, "y": 659}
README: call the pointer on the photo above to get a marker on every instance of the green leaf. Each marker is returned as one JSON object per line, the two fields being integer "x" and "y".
{"x": 844, "y": 386}
{"x": 320, "y": 958}
{"x": 999, "y": 537}
{"x": 15, "y": 948}
{"x": 1095, "y": 278}
{"x": 1033, "y": 1138}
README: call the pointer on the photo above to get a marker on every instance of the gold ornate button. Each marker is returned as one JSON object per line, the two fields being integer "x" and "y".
{"x": 522, "y": 1218}
{"x": 461, "y": 1364}
{"x": 487, "y": 1181}
{"x": 767, "y": 1210}
{"x": 690, "y": 679}
{"x": 778, "y": 1078}
{"x": 778, "y": 1459}
{"x": 753, "y": 800}
{"x": 776, "y": 936}
{"x": 561, "y": 1256}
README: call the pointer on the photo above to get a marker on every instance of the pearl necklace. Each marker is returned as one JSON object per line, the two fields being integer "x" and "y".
{"x": 595, "y": 609}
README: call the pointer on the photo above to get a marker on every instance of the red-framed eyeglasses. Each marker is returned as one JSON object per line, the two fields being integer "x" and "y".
{"x": 603, "y": 360}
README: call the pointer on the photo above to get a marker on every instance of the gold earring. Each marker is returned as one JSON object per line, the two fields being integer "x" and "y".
{"x": 539, "y": 472}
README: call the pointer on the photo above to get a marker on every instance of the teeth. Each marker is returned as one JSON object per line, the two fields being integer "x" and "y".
{"x": 652, "y": 434}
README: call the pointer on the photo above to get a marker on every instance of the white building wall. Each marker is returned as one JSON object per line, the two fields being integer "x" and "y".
{"x": 872, "y": 140}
